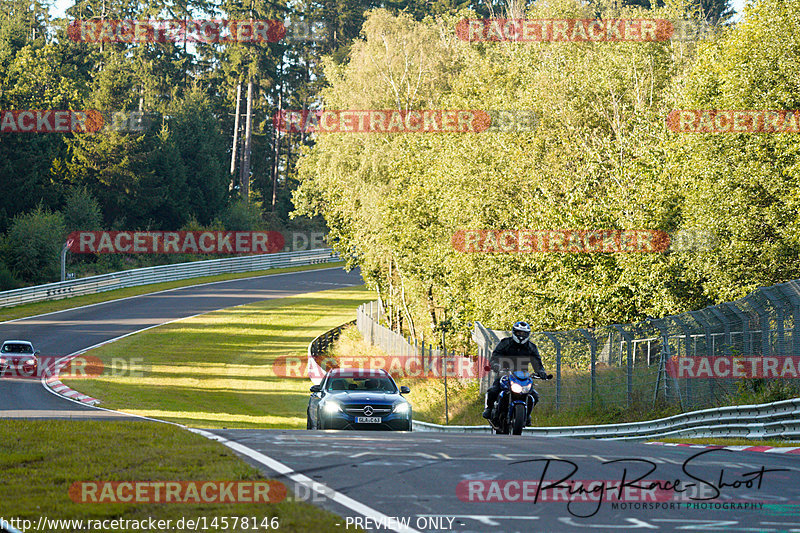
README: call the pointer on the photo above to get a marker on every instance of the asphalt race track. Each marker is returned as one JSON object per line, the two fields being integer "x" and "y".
{"x": 72, "y": 330}
{"x": 433, "y": 481}
{"x": 415, "y": 477}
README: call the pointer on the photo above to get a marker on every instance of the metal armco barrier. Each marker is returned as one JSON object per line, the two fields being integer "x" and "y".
{"x": 778, "y": 420}
{"x": 162, "y": 273}
{"x": 318, "y": 346}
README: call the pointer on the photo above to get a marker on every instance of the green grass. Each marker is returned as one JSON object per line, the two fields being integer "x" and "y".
{"x": 733, "y": 442}
{"x": 38, "y": 308}
{"x": 41, "y": 459}
{"x": 216, "y": 370}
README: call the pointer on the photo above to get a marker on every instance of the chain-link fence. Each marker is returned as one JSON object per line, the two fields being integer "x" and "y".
{"x": 693, "y": 360}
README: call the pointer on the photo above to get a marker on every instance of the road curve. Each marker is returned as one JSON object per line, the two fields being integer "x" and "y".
{"x": 65, "y": 332}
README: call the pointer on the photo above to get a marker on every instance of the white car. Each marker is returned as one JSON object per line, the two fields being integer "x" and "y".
{"x": 19, "y": 358}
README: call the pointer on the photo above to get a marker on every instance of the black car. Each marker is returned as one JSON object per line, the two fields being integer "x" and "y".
{"x": 352, "y": 398}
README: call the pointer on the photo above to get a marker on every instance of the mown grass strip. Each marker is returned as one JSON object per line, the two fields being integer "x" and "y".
{"x": 39, "y": 308}
{"x": 216, "y": 370}
{"x": 41, "y": 459}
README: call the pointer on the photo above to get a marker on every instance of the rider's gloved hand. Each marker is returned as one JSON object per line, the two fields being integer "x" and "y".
{"x": 542, "y": 374}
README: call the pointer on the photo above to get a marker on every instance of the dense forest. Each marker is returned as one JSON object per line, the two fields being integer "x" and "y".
{"x": 601, "y": 155}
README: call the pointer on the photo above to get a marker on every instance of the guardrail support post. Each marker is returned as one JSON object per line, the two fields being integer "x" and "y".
{"x": 64, "y": 251}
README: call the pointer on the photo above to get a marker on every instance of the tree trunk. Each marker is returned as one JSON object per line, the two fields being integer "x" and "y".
{"x": 235, "y": 145}
{"x": 277, "y": 153}
{"x": 244, "y": 176}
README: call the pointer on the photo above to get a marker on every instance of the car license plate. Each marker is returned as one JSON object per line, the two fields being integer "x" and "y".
{"x": 368, "y": 420}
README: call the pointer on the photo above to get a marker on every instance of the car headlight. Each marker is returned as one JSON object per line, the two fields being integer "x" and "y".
{"x": 30, "y": 362}
{"x": 401, "y": 408}
{"x": 519, "y": 389}
{"x": 2, "y": 360}
{"x": 332, "y": 407}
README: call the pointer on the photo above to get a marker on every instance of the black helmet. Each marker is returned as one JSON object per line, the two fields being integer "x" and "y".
{"x": 521, "y": 331}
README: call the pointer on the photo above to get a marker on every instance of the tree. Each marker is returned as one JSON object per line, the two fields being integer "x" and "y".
{"x": 33, "y": 245}
{"x": 81, "y": 211}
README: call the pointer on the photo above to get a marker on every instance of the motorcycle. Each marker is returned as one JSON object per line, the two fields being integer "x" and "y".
{"x": 514, "y": 403}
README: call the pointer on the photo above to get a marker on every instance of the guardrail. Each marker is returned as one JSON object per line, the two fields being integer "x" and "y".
{"x": 319, "y": 345}
{"x": 162, "y": 273}
{"x": 777, "y": 420}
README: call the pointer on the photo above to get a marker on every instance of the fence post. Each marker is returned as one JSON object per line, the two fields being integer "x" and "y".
{"x": 780, "y": 318}
{"x": 629, "y": 371}
{"x": 557, "y": 345}
{"x": 792, "y": 291}
{"x": 593, "y": 361}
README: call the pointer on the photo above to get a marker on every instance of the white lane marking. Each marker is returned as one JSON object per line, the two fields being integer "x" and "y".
{"x": 634, "y": 523}
{"x": 306, "y": 481}
{"x": 161, "y": 292}
{"x": 489, "y": 520}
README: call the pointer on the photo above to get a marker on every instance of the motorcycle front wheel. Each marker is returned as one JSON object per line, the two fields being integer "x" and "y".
{"x": 519, "y": 418}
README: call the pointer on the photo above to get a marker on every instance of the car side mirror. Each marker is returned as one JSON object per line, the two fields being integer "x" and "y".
{"x": 316, "y": 388}
{"x": 404, "y": 390}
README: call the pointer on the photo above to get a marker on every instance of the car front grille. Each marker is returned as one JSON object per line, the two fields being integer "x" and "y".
{"x": 358, "y": 409}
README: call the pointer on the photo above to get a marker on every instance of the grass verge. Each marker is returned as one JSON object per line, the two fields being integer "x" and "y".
{"x": 39, "y": 308}
{"x": 37, "y": 475}
{"x": 216, "y": 370}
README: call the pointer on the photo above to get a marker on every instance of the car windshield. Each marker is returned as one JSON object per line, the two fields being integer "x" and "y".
{"x": 361, "y": 384}
{"x": 17, "y": 348}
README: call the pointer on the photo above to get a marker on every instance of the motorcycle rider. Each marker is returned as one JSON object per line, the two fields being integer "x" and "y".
{"x": 512, "y": 354}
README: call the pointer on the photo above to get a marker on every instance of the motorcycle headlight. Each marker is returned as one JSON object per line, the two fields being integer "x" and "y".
{"x": 401, "y": 408}
{"x": 332, "y": 407}
{"x": 519, "y": 389}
